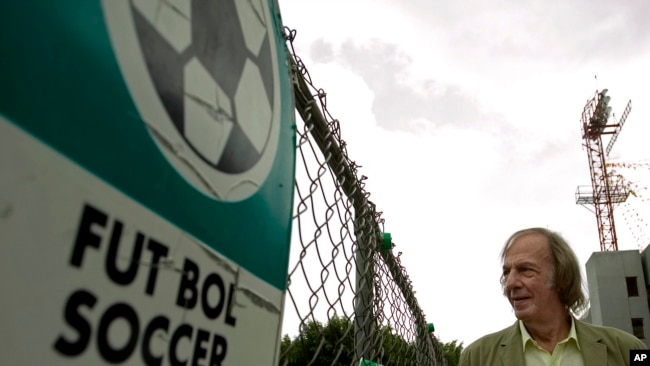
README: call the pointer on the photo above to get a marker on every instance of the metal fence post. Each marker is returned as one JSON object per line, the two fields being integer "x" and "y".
{"x": 363, "y": 300}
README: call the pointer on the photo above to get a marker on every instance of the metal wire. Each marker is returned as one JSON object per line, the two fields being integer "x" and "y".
{"x": 347, "y": 298}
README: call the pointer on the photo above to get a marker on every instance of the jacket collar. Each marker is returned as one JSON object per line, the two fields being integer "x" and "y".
{"x": 510, "y": 349}
{"x": 594, "y": 352}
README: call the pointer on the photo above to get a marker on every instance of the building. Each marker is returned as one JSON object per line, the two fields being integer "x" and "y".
{"x": 618, "y": 291}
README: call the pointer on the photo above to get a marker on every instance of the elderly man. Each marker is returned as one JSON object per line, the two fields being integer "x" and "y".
{"x": 541, "y": 279}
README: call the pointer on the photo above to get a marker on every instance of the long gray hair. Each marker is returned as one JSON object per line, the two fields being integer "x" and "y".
{"x": 566, "y": 268}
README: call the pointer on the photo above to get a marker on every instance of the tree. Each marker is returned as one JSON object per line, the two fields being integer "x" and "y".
{"x": 333, "y": 344}
{"x": 324, "y": 345}
{"x": 451, "y": 351}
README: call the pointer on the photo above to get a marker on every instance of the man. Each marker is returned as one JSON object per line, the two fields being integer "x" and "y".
{"x": 541, "y": 279}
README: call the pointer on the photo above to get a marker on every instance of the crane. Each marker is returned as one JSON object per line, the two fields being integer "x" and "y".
{"x": 606, "y": 190}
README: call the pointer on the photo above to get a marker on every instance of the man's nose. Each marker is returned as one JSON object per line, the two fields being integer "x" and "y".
{"x": 512, "y": 280}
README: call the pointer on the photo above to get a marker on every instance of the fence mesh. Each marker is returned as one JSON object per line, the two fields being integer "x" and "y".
{"x": 349, "y": 299}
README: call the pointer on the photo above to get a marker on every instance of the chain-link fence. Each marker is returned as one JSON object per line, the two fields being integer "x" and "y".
{"x": 349, "y": 300}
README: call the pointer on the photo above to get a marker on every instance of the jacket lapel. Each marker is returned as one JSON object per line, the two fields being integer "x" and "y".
{"x": 593, "y": 351}
{"x": 511, "y": 348}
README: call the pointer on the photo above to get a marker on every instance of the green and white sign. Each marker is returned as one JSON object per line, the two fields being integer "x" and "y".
{"x": 147, "y": 152}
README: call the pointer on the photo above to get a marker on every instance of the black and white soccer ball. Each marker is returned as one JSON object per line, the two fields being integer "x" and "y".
{"x": 210, "y": 62}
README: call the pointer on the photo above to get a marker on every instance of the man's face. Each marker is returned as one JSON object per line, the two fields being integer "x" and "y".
{"x": 528, "y": 279}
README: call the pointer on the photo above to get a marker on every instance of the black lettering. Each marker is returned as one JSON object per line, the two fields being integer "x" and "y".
{"x": 75, "y": 320}
{"x": 159, "y": 322}
{"x": 110, "y": 354}
{"x": 202, "y": 336}
{"x": 85, "y": 236}
{"x": 219, "y": 348}
{"x": 212, "y": 279}
{"x": 125, "y": 277}
{"x": 184, "y": 330}
{"x": 158, "y": 251}
{"x": 188, "y": 283}
{"x": 230, "y": 320}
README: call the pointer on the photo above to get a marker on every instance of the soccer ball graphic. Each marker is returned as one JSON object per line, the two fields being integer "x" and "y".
{"x": 210, "y": 62}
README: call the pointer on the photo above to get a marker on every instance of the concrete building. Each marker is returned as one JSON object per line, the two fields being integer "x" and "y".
{"x": 618, "y": 291}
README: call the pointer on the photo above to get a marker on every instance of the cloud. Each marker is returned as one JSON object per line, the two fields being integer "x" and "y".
{"x": 401, "y": 100}
{"x": 538, "y": 31}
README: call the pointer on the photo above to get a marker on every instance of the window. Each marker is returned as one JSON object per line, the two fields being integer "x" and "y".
{"x": 632, "y": 288}
{"x": 637, "y": 328}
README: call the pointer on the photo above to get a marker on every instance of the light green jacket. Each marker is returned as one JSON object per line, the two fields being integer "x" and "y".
{"x": 598, "y": 345}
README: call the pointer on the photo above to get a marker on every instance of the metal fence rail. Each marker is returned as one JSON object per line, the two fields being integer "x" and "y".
{"x": 348, "y": 296}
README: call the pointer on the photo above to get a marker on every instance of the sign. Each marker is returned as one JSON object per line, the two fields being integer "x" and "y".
{"x": 146, "y": 194}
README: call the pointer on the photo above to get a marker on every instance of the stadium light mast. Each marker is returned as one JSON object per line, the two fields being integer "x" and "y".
{"x": 606, "y": 190}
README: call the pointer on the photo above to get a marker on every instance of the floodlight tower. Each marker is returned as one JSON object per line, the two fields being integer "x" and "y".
{"x": 605, "y": 190}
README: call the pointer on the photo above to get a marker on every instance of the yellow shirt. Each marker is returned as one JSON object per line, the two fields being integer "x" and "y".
{"x": 566, "y": 352}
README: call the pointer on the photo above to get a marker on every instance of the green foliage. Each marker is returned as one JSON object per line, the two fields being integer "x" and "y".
{"x": 395, "y": 350}
{"x": 451, "y": 351}
{"x": 326, "y": 343}
{"x": 333, "y": 344}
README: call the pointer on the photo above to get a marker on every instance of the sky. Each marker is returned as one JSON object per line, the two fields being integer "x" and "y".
{"x": 465, "y": 117}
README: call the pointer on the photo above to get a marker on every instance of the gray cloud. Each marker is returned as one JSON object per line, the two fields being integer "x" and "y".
{"x": 562, "y": 36}
{"x": 322, "y": 51}
{"x": 397, "y": 103}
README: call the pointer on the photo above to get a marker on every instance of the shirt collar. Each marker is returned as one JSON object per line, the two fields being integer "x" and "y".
{"x": 525, "y": 336}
